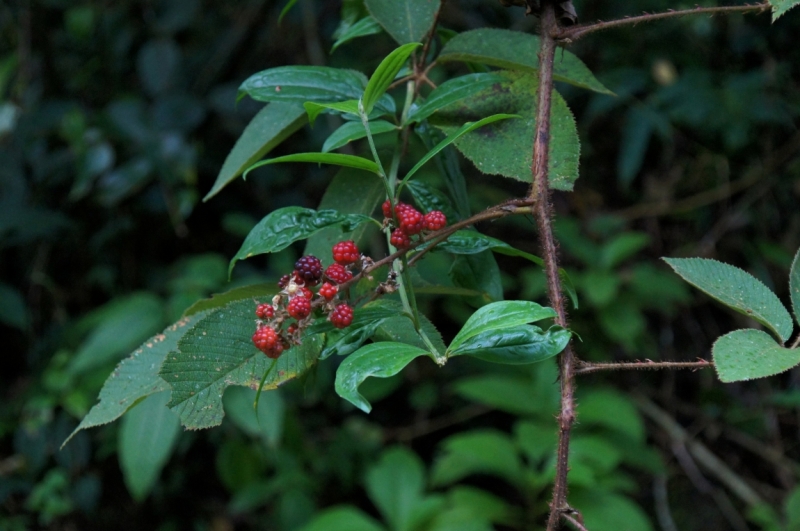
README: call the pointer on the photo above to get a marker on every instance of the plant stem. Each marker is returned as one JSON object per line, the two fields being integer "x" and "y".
{"x": 586, "y": 367}
{"x": 540, "y": 194}
{"x": 574, "y": 33}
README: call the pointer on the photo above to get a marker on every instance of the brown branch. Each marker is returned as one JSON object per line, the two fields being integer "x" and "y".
{"x": 587, "y": 367}
{"x": 574, "y": 33}
{"x": 578, "y": 525}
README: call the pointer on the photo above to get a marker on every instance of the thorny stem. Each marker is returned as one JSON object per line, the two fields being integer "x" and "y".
{"x": 579, "y": 526}
{"x": 574, "y": 33}
{"x": 586, "y": 367}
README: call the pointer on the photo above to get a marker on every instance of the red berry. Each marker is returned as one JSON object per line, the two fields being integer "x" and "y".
{"x": 266, "y": 340}
{"x": 338, "y": 273}
{"x": 309, "y": 269}
{"x": 411, "y": 221}
{"x": 291, "y": 329}
{"x": 276, "y": 352}
{"x": 400, "y": 239}
{"x": 342, "y": 316}
{"x": 284, "y": 281}
{"x": 328, "y": 290}
{"x": 387, "y": 209}
{"x": 307, "y": 293}
{"x": 299, "y": 308}
{"x": 265, "y": 311}
{"x": 346, "y": 252}
{"x": 401, "y": 207}
{"x": 435, "y": 220}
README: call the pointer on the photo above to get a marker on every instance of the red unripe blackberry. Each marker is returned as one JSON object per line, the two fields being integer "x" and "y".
{"x": 299, "y": 308}
{"x": 342, "y": 316}
{"x": 328, "y": 290}
{"x": 276, "y": 352}
{"x": 400, "y": 239}
{"x": 291, "y": 329}
{"x": 307, "y": 293}
{"x": 309, "y": 269}
{"x": 265, "y": 311}
{"x": 411, "y": 221}
{"x": 284, "y": 281}
{"x": 401, "y": 207}
{"x": 387, "y": 209}
{"x": 435, "y": 220}
{"x": 338, "y": 273}
{"x": 346, "y": 252}
{"x": 266, "y": 339}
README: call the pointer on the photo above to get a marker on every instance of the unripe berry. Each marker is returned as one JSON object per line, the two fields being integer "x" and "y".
{"x": 338, "y": 273}
{"x": 341, "y": 316}
{"x": 346, "y": 252}
{"x": 387, "y": 209}
{"x": 328, "y": 291}
{"x": 400, "y": 239}
{"x": 435, "y": 220}
{"x": 265, "y": 311}
{"x": 411, "y": 221}
{"x": 266, "y": 340}
{"x": 307, "y": 293}
{"x": 299, "y": 308}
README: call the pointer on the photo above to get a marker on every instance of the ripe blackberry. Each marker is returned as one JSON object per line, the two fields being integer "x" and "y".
{"x": 299, "y": 308}
{"x": 411, "y": 221}
{"x": 266, "y": 339}
{"x": 342, "y": 316}
{"x": 435, "y": 220}
{"x": 338, "y": 273}
{"x": 328, "y": 290}
{"x": 284, "y": 281}
{"x": 346, "y": 252}
{"x": 265, "y": 311}
{"x": 309, "y": 268}
{"x": 400, "y": 239}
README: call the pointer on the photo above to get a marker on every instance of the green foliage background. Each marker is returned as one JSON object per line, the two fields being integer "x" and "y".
{"x": 115, "y": 120}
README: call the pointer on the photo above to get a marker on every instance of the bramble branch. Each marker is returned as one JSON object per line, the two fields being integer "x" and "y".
{"x": 586, "y": 367}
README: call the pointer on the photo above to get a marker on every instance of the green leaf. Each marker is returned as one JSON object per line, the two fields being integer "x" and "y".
{"x": 289, "y": 5}
{"x": 217, "y": 353}
{"x": 340, "y": 196}
{"x": 380, "y": 360}
{"x": 749, "y": 354}
{"x": 354, "y": 131}
{"x": 284, "y": 226}
{"x": 429, "y": 198}
{"x": 395, "y": 484}
{"x": 792, "y": 508}
{"x": 512, "y": 394}
{"x": 477, "y": 452}
{"x": 362, "y": 28}
{"x": 264, "y": 291}
{"x": 597, "y": 403}
{"x": 736, "y": 289}
{"x": 314, "y": 109}
{"x": 451, "y": 91}
{"x": 499, "y": 315}
{"x": 779, "y": 7}
{"x": 401, "y": 329}
{"x": 517, "y": 345}
{"x": 622, "y": 247}
{"x": 272, "y": 125}
{"x": 607, "y": 510}
{"x": 366, "y": 320}
{"x": 385, "y": 74}
{"x": 449, "y": 166}
{"x": 136, "y": 377}
{"x": 406, "y": 21}
{"x": 505, "y": 148}
{"x": 478, "y": 272}
{"x": 343, "y": 518}
{"x": 794, "y": 285}
{"x": 147, "y": 437}
{"x": 516, "y": 50}
{"x": 124, "y": 324}
{"x": 452, "y": 137}
{"x": 266, "y": 422}
{"x": 337, "y": 159}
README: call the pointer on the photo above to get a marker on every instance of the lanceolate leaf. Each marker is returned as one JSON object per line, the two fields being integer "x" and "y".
{"x": 362, "y": 28}
{"x": 429, "y": 198}
{"x": 478, "y": 272}
{"x": 217, "y": 353}
{"x": 337, "y": 159}
{"x": 794, "y": 285}
{"x": 380, "y": 360}
{"x": 499, "y": 315}
{"x": 749, "y": 354}
{"x": 354, "y": 131}
{"x": 271, "y": 126}
{"x": 385, "y": 74}
{"x": 451, "y": 91}
{"x": 516, "y": 345}
{"x": 287, "y": 225}
{"x": 779, "y": 7}
{"x": 136, "y": 377}
{"x": 401, "y": 329}
{"x": 736, "y": 289}
{"x": 314, "y": 109}
{"x": 504, "y": 148}
{"x": 517, "y": 50}
{"x": 405, "y": 20}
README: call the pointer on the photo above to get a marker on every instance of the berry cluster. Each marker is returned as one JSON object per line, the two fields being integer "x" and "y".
{"x": 296, "y": 301}
{"x": 411, "y": 221}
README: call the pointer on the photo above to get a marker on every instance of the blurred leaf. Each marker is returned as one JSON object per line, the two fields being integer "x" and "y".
{"x": 779, "y": 7}
{"x": 362, "y": 28}
{"x": 395, "y": 484}
{"x": 622, "y": 247}
{"x": 284, "y": 226}
{"x": 342, "y": 518}
{"x": 124, "y": 323}
{"x": 636, "y": 135}
{"x": 505, "y": 148}
{"x": 482, "y": 505}
{"x": 792, "y": 509}
{"x": 289, "y": 5}
{"x": 613, "y": 410}
{"x": 266, "y": 423}
{"x": 511, "y": 394}
{"x": 478, "y": 272}
{"x": 271, "y": 126}
{"x": 595, "y": 452}
{"x": 499, "y": 315}
{"x": 516, "y": 50}
{"x": 136, "y": 377}
{"x": 354, "y": 131}
{"x": 794, "y": 285}
{"x": 749, "y": 354}
{"x": 158, "y": 64}
{"x": 518, "y": 345}
{"x": 736, "y": 289}
{"x": 217, "y": 353}
{"x": 622, "y": 321}
{"x": 537, "y": 440}
{"x": 406, "y": 21}
{"x": 450, "y": 92}
{"x": 147, "y": 437}
{"x": 13, "y": 310}
{"x": 337, "y": 159}
{"x": 385, "y": 74}
{"x": 380, "y": 360}
{"x": 605, "y": 511}
{"x": 477, "y": 452}
{"x": 600, "y": 287}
